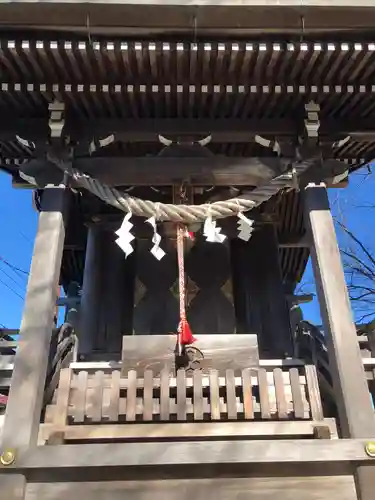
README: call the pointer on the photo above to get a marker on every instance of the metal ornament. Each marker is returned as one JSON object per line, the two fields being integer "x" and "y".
{"x": 245, "y": 227}
{"x": 7, "y": 457}
{"x": 370, "y": 449}
{"x": 156, "y": 251}
{"x": 124, "y": 236}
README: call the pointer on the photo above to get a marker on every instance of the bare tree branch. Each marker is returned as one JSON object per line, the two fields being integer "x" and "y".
{"x": 357, "y": 241}
{"x": 359, "y": 267}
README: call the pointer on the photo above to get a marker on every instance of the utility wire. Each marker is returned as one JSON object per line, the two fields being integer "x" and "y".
{"x": 11, "y": 289}
{"x": 15, "y": 268}
{"x": 22, "y": 277}
{"x": 26, "y": 238}
{"x": 10, "y": 277}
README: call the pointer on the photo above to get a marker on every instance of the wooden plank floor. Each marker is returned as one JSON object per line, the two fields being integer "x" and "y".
{"x": 309, "y": 488}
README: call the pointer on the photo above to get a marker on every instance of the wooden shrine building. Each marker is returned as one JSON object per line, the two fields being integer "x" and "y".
{"x": 179, "y": 155}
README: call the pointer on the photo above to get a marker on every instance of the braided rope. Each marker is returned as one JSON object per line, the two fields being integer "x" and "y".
{"x": 184, "y": 213}
{"x": 181, "y": 271}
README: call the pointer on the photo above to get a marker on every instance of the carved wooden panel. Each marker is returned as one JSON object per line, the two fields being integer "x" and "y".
{"x": 210, "y": 296}
{"x": 221, "y": 352}
{"x": 208, "y": 282}
{"x": 155, "y": 307}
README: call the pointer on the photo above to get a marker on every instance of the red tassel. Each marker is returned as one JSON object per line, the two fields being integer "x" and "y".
{"x": 186, "y": 336}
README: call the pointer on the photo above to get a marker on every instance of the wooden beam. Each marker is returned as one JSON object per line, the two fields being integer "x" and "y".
{"x": 109, "y": 366}
{"x": 247, "y": 17}
{"x": 221, "y": 487}
{"x": 192, "y": 430}
{"x": 170, "y": 170}
{"x": 227, "y": 130}
{"x": 148, "y": 130}
{"x": 222, "y": 130}
{"x": 46, "y": 463}
{"x": 294, "y": 242}
{"x": 236, "y": 175}
{"x": 26, "y": 393}
{"x": 218, "y": 170}
{"x": 300, "y": 299}
{"x": 357, "y": 418}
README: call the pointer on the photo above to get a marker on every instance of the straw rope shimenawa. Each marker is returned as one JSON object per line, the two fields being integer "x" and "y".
{"x": 186, "y": 213}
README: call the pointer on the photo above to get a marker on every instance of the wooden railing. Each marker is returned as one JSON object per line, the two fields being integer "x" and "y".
{"x": 270, "y": 401}
{"x": 7, "y": 352}
{"x": 312, "y": 347}
{"x": 62, "y": 350}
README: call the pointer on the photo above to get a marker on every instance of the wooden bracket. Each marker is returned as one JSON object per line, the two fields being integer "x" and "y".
{"x": 322, "y": 432}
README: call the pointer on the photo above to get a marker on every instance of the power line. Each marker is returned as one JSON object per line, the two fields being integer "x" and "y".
{"x": 12, "y": 266}
{"x": 17, "y": 273}
{"x": 25, "y": 237}
{"x": 11, "y": 289}
{"x": 10, "y": 277}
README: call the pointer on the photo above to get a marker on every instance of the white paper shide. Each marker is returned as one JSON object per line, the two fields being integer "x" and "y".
{"x": 124, "y": 235}
{"x": 211, "y": 232}
{"x": 156, "y": 251}
{"x": 245, "y": 227}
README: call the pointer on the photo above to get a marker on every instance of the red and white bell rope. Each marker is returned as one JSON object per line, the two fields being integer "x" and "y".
{"x": 185, "y": 336}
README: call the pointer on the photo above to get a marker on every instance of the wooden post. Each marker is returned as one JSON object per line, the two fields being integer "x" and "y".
{"x": 90, "y": 300}
{"x": 22, "y": 418}
{"x": 12, "y": 487}
{"x": 357, "y": 418}
{"x": 116, "y": 300}
{"x": 107, "y": 296}
{"x": 30, "y": 365}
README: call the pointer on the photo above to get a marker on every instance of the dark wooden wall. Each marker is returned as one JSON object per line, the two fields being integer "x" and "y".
{"x": 107, "y": 299}
{"x": 261, "y": 306}
{"x": 210, "y": 307}
{"x": 234, "y": 287}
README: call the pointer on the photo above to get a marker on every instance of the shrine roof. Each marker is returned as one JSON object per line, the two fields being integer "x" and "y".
{"x": 232, "y": 76}
{"x": 234, "y": 89}
{"x": 166, "y": 17}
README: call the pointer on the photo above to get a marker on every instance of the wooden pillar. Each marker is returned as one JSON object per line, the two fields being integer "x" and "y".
{"x": 106, "y": 310}
{"x": 357, "y": 418}
{"x": 261, "y": 305}
{"x": 116, "y": 303}
{"x": 91, "y": 290}
{"x": 12, "y": 487}
{"x": 24, "y": 406}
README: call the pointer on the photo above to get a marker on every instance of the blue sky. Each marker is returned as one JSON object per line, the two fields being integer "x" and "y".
{"x": 18, "y": 222}
{"x": 350, "y": 206}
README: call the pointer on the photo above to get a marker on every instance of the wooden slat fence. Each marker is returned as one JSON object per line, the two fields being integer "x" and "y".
{"x": 312, "y": 347}
{"x": 61, "y": 354}
{"x": 236, "y": 400}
